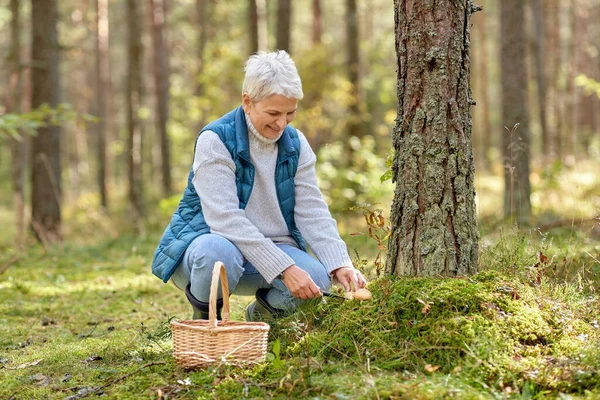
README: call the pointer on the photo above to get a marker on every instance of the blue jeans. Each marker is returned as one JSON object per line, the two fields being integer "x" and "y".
{"x": 201, "y": 255}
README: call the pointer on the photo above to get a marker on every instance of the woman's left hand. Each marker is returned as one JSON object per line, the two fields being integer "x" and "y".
{"x": 347, "y": 276}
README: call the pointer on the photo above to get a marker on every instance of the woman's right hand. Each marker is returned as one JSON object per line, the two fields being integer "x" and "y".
{"x": 300, "y": 284}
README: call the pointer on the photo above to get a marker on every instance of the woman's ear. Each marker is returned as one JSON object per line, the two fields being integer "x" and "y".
{"x": 246, "y": 102}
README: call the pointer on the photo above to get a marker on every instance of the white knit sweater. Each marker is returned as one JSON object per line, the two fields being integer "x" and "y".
{"x": 256, "y": 229}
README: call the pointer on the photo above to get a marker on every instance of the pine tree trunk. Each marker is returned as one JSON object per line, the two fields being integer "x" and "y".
{"x": 433, "y": 221}
{"x": 134, "y": 101}
{"x": 160, "y": 71}
{"x": 46, "y": 188}
{"x": 540, "y": 50}
{"x": 284, "y": 18}
{"x": 353, "y": 67}
{"x": 257, "y": 13}
{"x": 202, "y": 23}
{"x": 252, "y": 26}
{"x": 13, "y": 105}
{"x": 101, "y": 86}
{"x": 554, "y": 63}
{"x": 516, "y": 138}
{"x": 317, "y": 31}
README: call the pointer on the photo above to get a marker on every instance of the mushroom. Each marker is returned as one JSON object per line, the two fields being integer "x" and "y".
{"x": 363, "y": 294}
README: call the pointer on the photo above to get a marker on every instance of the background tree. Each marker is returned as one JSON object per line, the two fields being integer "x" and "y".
{"x": 134, "y": 101}
{"x": 160, "y": 71}
{"x": 317, "y": 29}
{"x": 102, "y": 91}
{"x": 46, "y": 186}
{"x": 284, "y": 29}
{"x": 539, "y": 49}
{"x": 257, "y": 19}
{"x": 13, "y": 105}
{"x": 353, "y": 68}
{"x": 515, "y": 118}
{"x": 433, "y": 224}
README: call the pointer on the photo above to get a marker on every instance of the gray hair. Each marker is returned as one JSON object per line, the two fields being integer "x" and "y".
{"x": 272, "y": 73}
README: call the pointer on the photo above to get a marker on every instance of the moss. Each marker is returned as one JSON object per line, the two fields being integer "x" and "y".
{"x": 491, "y": 326}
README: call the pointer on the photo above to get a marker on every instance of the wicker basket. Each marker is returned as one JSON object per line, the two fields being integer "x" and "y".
{"x": 199, "y": 343}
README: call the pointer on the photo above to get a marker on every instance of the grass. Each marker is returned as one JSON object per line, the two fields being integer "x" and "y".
{"x": 87, "y": 318}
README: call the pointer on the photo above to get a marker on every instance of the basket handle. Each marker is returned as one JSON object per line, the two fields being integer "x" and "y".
{"x": 219, "y": 269}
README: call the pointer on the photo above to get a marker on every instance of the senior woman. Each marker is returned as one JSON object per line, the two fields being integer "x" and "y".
{"x": 252, "y": 202}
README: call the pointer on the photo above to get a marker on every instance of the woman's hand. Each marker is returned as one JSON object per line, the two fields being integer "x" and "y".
{"x": 300, "y": 283}
{"x": 347, "y": 276}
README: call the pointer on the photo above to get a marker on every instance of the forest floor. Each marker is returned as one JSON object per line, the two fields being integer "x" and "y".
{"x": 88, "y": 318}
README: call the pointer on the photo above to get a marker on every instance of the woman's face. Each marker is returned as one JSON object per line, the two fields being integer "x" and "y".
{"x": 271, "y": 115}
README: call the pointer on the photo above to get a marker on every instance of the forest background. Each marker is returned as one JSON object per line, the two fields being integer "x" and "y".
{"x": 138, "y": 79}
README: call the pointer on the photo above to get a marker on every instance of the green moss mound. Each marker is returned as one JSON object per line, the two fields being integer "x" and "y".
{"x": 498, "y": 329}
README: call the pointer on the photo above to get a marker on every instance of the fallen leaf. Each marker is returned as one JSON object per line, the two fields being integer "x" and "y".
{"x": 426, "y": 309}
{"x": 92, "y": 358}
{"x": 431, "y": 368}
{"x": 41, "y": 379}
{"x": 29, "y": 364}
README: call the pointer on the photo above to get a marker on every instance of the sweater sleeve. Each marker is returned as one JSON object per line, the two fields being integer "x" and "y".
{"x": 312, "y": 215}
{"x": 214, "y": 180}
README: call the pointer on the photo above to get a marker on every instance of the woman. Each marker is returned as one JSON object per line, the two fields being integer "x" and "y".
{"x": 251, "y": 202}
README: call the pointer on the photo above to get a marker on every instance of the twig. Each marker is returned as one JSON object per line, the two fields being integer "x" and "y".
{"x": 9, "y": 264}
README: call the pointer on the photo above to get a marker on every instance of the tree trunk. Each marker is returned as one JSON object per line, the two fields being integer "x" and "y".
{"x": 353, "y": 65}
{"x": 252, "y": 26}
{"x": 133, "y": 103}
{"x": 571, "y": 98}
{"x": 481, "y": 138}
{"x": 46, "y": 190}
{"x": 540, "y": 50}
{"x": 433, "y": 221}
{"x": 317, "y": 31}
{"x": 257, "y": 12}
{"x": 284, "y": 18}
{"x": 160, "y": 70}
{"x": 13, "y": 105}
{"x": 516, "y": 138}
{"x": 202, "y": 23}
{"x": 101, "y": 86}
{"x": 554, "y": 63}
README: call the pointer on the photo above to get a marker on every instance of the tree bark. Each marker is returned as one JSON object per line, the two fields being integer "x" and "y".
{"x": 554, "y": 63}
{"x": 540, "y": 50}
{"x": 13, "y": 105}
{"x": 284, "y": 18}
{"x": 46, "y": 187}
{"x": 353, "y": 66}
{"x": 516, "y": 138}
{"x": 160, "y": 71}
{"x": 134, "y": 101}
{"x": 317, "y": 31}
{"x": 433, "y": 221}
{"x": 257, "y": 13}
{"x": 202, "y": 22}
{"x": 101, "y": 87}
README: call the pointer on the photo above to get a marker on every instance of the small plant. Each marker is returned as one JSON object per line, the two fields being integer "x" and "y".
{"x": 275, "y": 357}
{"x": 379, "y": 230}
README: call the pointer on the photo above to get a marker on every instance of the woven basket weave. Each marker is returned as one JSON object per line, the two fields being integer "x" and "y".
{"x": 199, "y": 343}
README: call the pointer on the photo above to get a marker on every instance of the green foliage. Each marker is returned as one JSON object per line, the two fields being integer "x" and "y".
{"x": 588, "y": 84}
{"x": 352, "y": 181}
{"x": 491, "y": 327}
{"x": 29, "y": 122}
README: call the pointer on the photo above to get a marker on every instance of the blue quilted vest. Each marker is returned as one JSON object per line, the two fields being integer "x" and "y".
{"x": 188, "y": 221}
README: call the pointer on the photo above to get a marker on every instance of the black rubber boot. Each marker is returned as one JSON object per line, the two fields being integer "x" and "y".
{"x": 261, "y": 310}
{"x": 201, "y": 308}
